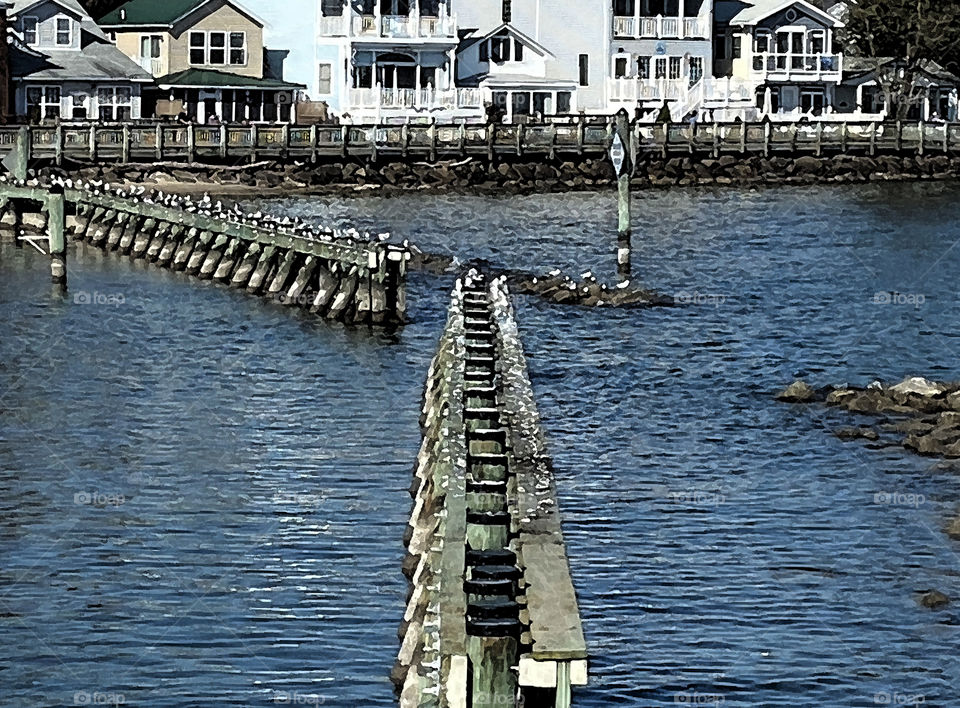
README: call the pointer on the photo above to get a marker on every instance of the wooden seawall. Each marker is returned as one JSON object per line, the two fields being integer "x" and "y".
{"x": 492, "y": 617}
{"x": 354, "y": 279}
{"x": 94, "y": 143}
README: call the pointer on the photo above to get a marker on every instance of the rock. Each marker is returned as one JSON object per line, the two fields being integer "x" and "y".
{"x": 918, "y": 386}
{"x": 934, "y": 599}
{"x": 856, "y": 434}
{"x": 807, "y": 165}
{"x": 797, "y": 392}
{"x": 837, "y": 397}
{"x": 953, "y": 528}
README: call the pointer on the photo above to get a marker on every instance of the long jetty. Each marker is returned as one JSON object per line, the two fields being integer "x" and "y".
{"x": 492, "y": 617}
{"x": 344, "y": 276}
{"x": 590, "y": 136}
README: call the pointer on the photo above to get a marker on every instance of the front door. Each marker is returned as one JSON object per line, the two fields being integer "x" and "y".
{"x": 812, "y": 101}
{"x": 789, "y": 98}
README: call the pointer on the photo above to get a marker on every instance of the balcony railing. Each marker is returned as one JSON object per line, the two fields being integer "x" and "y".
{"x": 412, "y": 26}
{"x": 660, "y": 27}
{"x": 424, "y": 98}
{"x": 810, "y": 65}
{"x": 705, "y": 91}
{"x": 154, "y": 66}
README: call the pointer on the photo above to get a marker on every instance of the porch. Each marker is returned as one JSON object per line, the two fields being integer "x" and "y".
{"x": 389, "y": 19}
{"x": 661, "y": 19}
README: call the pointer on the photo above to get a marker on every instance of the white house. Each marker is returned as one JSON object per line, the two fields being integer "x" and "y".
{"x": 63, "y": 67}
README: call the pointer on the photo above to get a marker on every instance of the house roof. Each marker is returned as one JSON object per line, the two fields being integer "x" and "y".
{"x": 95, "y": 62}
{"x": 510, "y": 29}
{"x": 20, "y": 6}
{"x": 163, "y": 13}
{"x": 758, "y": 10}
{"x": 208, "y": 78}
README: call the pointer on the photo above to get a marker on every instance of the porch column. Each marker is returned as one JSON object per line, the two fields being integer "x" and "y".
{"x": 926, "y": 104}
{"x": 767, "y": 100}
{"x": 220, "y": 104}
{"x": 860, "y": 98}
{"x": 680, "y": 18}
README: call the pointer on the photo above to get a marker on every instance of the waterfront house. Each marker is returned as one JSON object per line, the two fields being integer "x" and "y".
{"x": 62, "y": 66}
{"x": 207, "y": 57}
{"x": 860, "y": 91}
{"x": 543, "y": 57}
{"x": 386, "y": 60}
{"x": 785, "y": 50}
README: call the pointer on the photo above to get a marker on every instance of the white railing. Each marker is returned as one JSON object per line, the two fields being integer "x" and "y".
{"x": 154, "y": 66}
{"x": 660, "y": 27}
{"x": 727, "y": 90}
{"x": 800, "y": 65}
{"x": 703, "y": 92}
{"x": 423, "y": 99}
{"x": 410, "y": 26}
{"x": 633, "y": 90}
{"x": 334, "y": 26}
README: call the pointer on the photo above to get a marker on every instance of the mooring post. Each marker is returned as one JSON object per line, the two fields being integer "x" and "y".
{"x": 620, "y": 155}
{"x": 56, "y": 230}
{"x": 23, "y": 153}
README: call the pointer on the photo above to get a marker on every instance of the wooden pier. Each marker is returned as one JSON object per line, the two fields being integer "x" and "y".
{"x": 492, "y": 618}
{"x": 355, "y": 279}
{"x": 138, "y": 143}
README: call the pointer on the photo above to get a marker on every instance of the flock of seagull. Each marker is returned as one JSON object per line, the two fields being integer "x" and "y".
{"x": 214, "y": 209}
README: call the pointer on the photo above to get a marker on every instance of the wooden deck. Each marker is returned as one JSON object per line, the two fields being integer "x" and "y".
{"x": 190, "y": 143}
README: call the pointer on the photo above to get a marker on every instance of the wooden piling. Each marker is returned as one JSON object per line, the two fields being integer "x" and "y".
{"x": 56, "y": 227}
{"x": 624, "y": 227}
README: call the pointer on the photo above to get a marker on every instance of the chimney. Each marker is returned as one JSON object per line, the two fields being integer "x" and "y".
{"x": 5, "y": 112}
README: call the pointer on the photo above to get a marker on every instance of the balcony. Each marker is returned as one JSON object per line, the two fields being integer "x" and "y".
{"x": 703, "y": 92}
{"x": 815, "y": 67}
{"x": 390, "y": 27}
{"x": 153, "y": 66}
{"x": 660, "y": 27}
{"x": 426, "y": 99}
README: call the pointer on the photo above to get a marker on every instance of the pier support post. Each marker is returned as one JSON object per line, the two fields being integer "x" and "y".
{"x": 620, "y": 155}
{"x": 56, "y": 230}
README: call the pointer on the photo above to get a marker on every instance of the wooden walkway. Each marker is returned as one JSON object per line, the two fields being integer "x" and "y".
{"x": 190, "y": 143}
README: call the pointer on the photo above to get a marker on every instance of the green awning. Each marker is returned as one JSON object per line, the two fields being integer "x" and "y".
{"x": 208, "y": 78}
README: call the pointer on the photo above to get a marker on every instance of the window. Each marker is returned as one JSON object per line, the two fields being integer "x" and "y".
{"x": 115, "y": 103}
{"x": 64, "y": 31}
{"x": 30, "y": 30}
{"x": 660, "y": 68}
{"x": 500, "y": 49}
{"x": 643, "y": 67}
{"x": 79, "y": 106}
{"x": 198, "y": 48}
{"x": 696, "y": 69}
{"x": 584, "y": 70}
{"x": 218, "y": 44}
{"x": 507, "y": 11}
{"x": 326, "y": 79}
{"x": 620, "y": 67}
{"x": 238, "y": 48}
{"x": 675, "y": 66}
{"x": 762, "y": 42}
{"x": 43, "y": 102}
{"x": 816, "y": 43}
{"x": 563, "y": 102}
{"x": 150, "y": 46}
{"x": 736, "y": 46}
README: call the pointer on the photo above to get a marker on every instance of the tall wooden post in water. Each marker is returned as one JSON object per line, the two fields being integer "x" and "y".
{"x": 56, "y": 229}
{"x": 620, "y": 156}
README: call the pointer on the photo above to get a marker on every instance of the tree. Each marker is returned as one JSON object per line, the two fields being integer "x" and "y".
{"x": 910, "y": 33}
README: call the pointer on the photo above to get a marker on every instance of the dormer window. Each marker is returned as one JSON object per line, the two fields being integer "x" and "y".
{"x": 30, "y": 30}
{"x": 501, "y": 48}
{"x": 64, "y": 31}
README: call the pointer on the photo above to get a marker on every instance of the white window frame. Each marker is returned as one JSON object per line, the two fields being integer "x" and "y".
{"x": 766, "y": 35}
{"x": 626, "y": 60}
{"x": 36, "y": 30}
{"x": 329, "y": 79}
{"x": 675, "y": 68}
{"x": 44, "y": 101}
{"x": 114, "y": 102}
{"x": 57, "y": 31}
{"x": 243, "y": 48}
{"x": 207, "y": 48}
{"x": 151, "y": 37}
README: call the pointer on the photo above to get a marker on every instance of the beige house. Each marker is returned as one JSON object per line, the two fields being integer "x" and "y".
{"x": 207, "y": 54}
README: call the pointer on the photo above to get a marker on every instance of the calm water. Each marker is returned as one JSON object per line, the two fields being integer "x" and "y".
{"x": 203, "y": 495}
